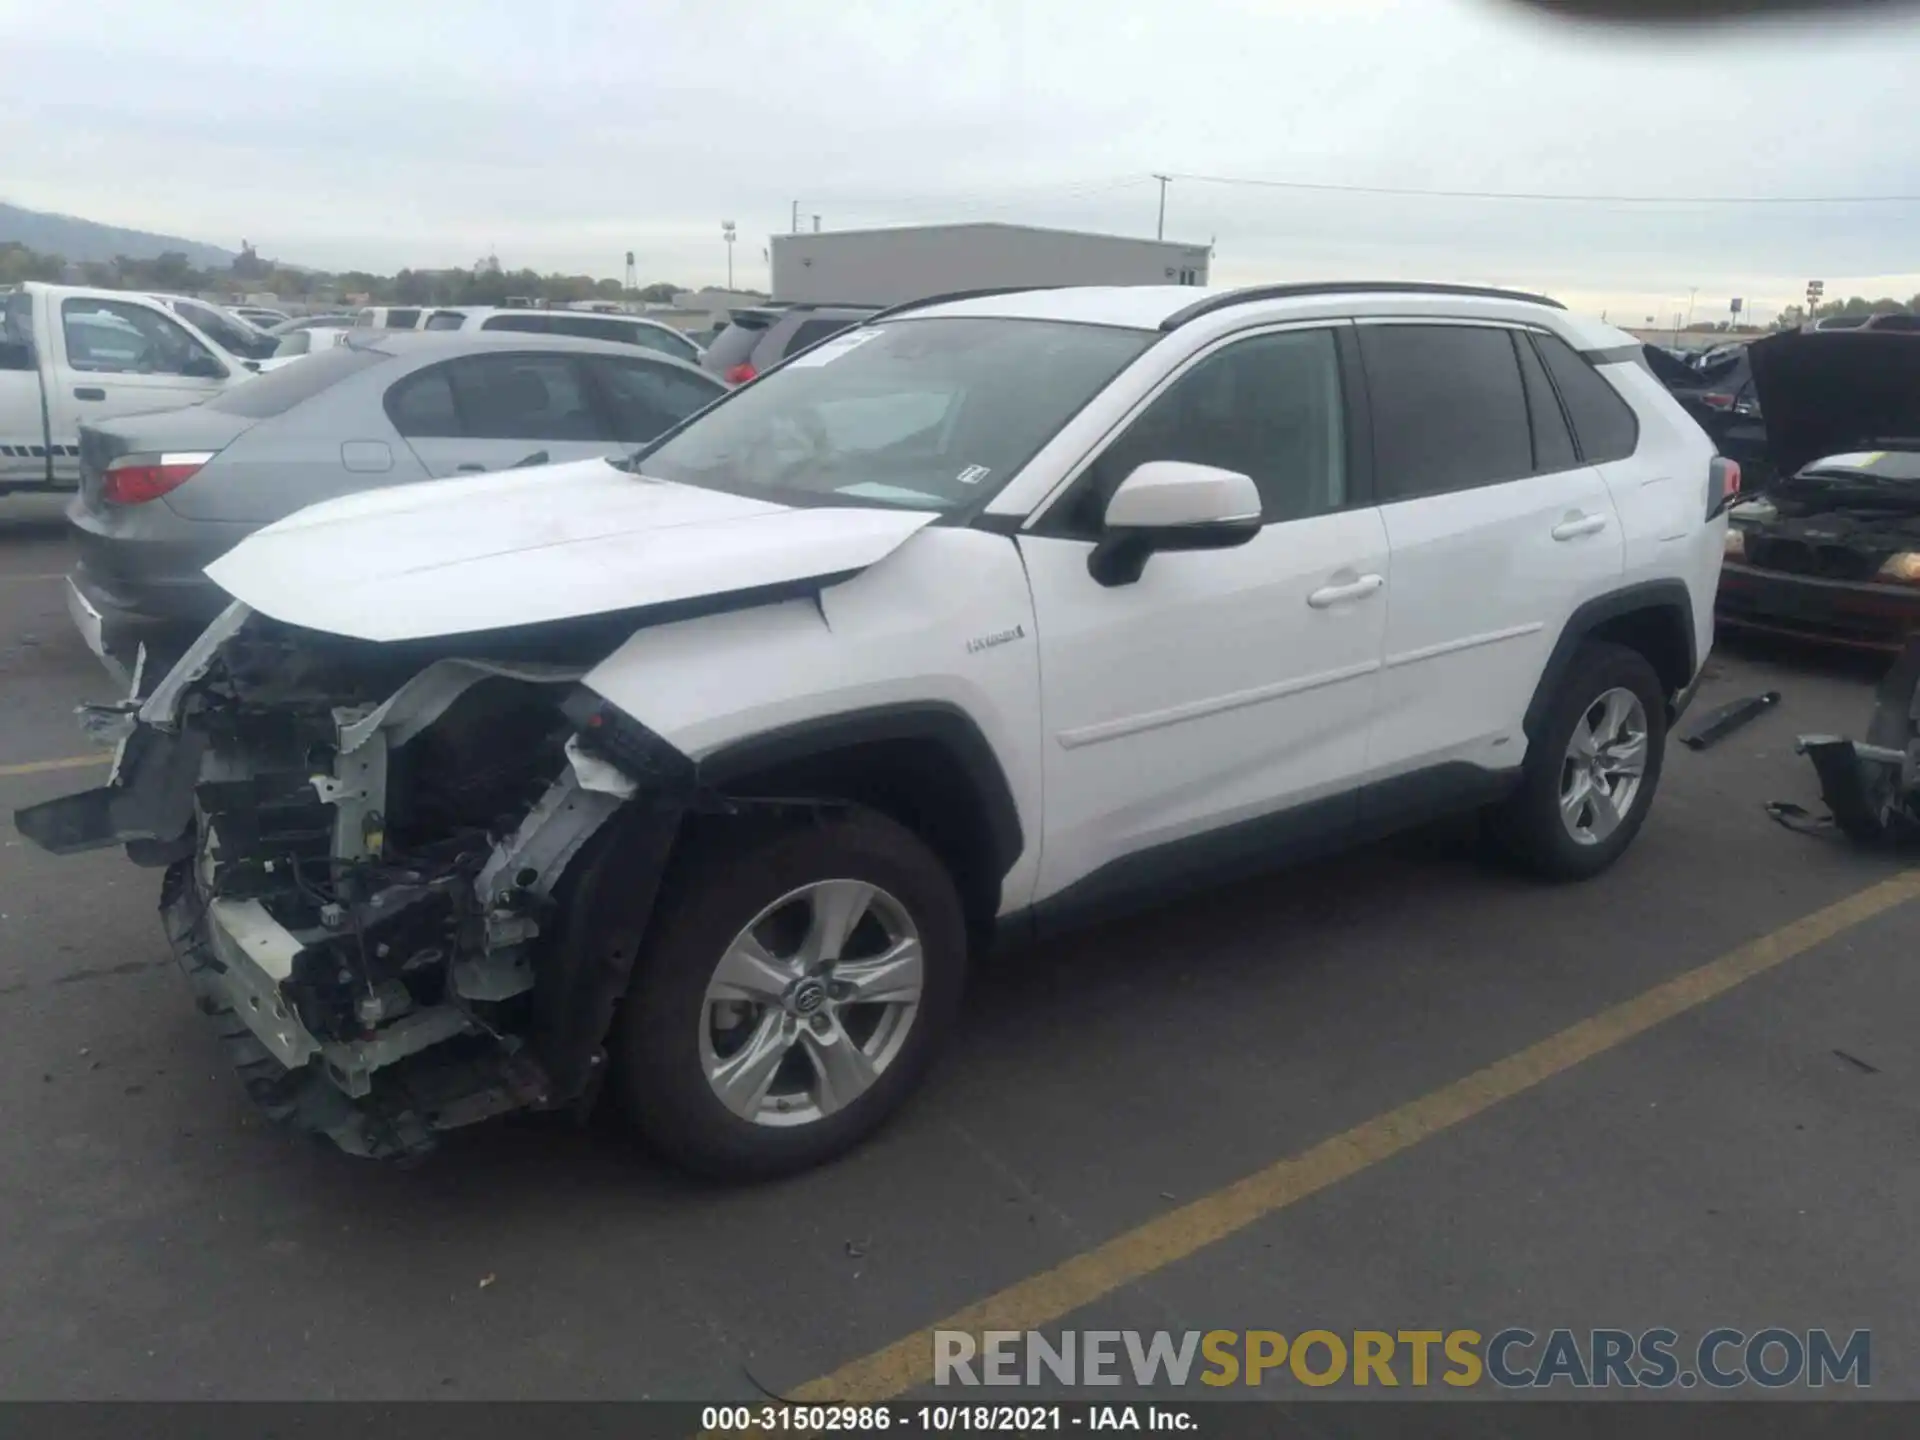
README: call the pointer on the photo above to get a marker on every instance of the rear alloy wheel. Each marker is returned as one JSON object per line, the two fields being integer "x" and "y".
{"x": 1605, "y": 762}
{"x": 1592, "y": 770}
{"x": 793, "y": 991}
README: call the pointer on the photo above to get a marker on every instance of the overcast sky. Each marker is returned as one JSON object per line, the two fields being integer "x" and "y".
{"x": 346, "y": 133}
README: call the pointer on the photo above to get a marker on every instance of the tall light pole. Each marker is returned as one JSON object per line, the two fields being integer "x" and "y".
{"x": 727, "y": 234}
{"x": 1690, "y": 297}
{"x": 1160, "y": 229}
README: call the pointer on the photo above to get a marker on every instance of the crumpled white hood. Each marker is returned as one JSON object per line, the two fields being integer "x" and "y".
{"x": 522, "y": 547}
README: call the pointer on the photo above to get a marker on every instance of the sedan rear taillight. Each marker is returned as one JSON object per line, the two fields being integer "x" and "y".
{"x": 136, "y": 479}
{"x": 1717, "y": 401}
{"x": 740, "y": 374}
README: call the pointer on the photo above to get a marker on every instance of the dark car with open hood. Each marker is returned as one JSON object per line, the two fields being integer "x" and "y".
{"x": 1831, "y": 548}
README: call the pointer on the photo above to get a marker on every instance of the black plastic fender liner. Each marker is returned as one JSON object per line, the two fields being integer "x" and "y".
{"x": 606, "y": 901}
{"x": 1669, "y": 595}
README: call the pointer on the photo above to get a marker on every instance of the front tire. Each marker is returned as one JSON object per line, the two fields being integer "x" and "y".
{"x": 1591, "y": 774}
{"x": 796, "y": 986}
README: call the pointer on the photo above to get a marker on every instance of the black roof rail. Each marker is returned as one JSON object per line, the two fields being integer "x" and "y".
{"x": 951, "y": 295}
{"x": 1343, "y": 287}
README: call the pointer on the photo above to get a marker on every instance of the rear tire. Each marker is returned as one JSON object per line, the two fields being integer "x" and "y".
{"x": 774, "y": 1063}
{"x": 1574, "y": 815}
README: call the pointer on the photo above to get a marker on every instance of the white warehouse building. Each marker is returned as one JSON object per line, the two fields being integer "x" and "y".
{"x": 885, "y": 267}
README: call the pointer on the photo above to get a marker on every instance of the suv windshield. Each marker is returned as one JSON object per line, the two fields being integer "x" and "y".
{"x": 931, "y": 414}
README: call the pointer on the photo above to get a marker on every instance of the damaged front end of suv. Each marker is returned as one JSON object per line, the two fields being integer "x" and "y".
{"x": 363, "y": 845}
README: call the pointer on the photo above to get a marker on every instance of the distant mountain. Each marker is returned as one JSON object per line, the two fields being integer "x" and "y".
{"x": 81, "y": 240}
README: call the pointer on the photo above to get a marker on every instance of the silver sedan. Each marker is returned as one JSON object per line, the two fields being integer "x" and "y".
{"x": 164, "y": 495}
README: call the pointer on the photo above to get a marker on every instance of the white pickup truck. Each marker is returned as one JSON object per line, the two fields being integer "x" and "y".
{"x": 70, "y": 355}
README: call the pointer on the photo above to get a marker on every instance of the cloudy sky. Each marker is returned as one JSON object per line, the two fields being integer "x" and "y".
{"x": 344, "y": 133}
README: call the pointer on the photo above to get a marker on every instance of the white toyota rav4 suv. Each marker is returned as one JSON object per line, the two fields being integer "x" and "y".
{"x": 705, "y": 770}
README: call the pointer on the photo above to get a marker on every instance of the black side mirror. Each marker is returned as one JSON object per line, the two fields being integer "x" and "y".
{"x": 1172, "y": 505}
{"x": 203, "y": 367}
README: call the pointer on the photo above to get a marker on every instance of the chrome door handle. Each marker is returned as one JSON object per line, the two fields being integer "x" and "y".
{"x": 1583, "y": 525}
{"x": 89, "y": 392}
{"x": 1355, "y": 590}
{"x": 470, "y": 469}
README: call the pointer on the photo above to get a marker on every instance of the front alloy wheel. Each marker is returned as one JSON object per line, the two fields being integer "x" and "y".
{"x": 791, "y": 992}
{"x": 811, "y": 1003}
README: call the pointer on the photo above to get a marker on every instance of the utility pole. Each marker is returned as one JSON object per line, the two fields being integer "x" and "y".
{"x": 727, "y": 234}
{"x": 1160, "y": 230}
{"x": 1690, "y": 298}
{"x": 793, "y": 226}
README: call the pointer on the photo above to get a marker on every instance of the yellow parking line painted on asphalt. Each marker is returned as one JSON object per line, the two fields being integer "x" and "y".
{"x": 1079, "y": 1281}
{"x": 41, "y": 767}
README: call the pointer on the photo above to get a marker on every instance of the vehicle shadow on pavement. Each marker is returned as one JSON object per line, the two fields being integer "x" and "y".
{"x": 482, "y": 1177}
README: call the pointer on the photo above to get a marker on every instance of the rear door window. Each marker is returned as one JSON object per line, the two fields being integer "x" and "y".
{"x": 402, "y": 319}
{"x": 421, "y": 406}
{"x": 521, "y": 324}
{"x": 1449, "y": 409}
{"x": 523, "y": 397}
{"x": 647, "y": 399}
{"x": 446, "y": 320}
{"x": 1604, "y": 425}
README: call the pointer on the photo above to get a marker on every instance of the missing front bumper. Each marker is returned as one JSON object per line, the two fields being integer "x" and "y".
{"x": 387, "y": 1095}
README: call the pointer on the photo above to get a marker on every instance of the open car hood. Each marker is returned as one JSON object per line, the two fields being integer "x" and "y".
{"x": 527, "y": 547}
{"x": 1828, "y": 391}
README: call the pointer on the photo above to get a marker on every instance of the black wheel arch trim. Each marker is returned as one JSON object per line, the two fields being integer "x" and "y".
{"x": 1670, "y": 594}
{"x": 945, "y": 724}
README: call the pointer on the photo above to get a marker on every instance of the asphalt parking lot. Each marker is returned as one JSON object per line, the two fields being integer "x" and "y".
{"x": 1731, "y": 1148}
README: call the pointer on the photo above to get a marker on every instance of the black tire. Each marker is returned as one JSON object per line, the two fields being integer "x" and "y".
{"x": 1527, "y": 828}
{"x": 726, "y": 876}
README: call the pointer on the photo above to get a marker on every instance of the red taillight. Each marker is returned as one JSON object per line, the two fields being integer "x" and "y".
{"x": 136, "y": 479}
{"x": 740, "y": 374}
{"x": 1723, "y": 485}
{"x": 1717, "y": 401}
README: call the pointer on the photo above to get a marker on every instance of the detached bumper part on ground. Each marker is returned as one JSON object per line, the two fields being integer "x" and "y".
{"x": 1872, "y": 786}
{"x": 369, "y": 873}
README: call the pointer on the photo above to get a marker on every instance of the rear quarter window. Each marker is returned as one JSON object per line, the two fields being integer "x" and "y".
{"x": 1604, "y": 425}
{"x": 278, "y": 391}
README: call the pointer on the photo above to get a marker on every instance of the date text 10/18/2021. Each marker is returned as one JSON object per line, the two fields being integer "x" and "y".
{"x": 722, "y": 1420}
